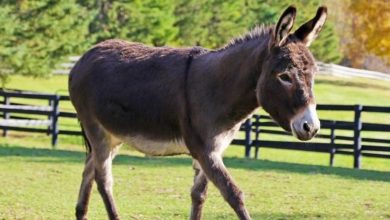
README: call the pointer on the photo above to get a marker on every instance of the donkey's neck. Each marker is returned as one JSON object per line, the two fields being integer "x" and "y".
{"x": 235, "y": 71}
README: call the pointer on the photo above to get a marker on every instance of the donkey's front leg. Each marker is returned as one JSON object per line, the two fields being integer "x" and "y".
{"x": 198, "y": 192}
{"x": 212, "y": 165}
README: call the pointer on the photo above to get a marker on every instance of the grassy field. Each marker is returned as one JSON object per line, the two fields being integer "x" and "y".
{"x": 37, "y": 182}
{"x": 40, "y": 183}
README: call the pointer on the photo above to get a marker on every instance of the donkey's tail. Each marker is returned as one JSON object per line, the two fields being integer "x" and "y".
{"x": 86, "y": 141}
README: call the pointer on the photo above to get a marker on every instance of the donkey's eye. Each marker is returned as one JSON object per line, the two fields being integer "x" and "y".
{"x": 285, "y": 78}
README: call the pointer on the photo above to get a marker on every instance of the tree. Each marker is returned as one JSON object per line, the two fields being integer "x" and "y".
{"x": 209, "y": 23}
{"x": 326, "y": 47}
{"x": 148, "y": 21}
{"x": 215, "y": 22}
{"x": 367, "y": 32}
{"x": 8, "y": 52}
{"x": 39, "y": 34}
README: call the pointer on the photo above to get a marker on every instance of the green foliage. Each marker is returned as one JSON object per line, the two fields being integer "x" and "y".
{"x": 148, "y": 21}
{"x": 38, "y": 34}
{"x": 213, "y": 23}
{"x": 8, "y": 53}
{"x": 325, "y": 48}
{"x": 209, "y": 23}
{"x": 35, "y": 36}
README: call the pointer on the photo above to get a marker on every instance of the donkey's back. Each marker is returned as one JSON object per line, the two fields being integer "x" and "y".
{"x": 130, "y": 88}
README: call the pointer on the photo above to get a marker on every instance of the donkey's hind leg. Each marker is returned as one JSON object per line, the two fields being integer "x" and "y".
{"x": 198, "y": 192}
{"x": 104, "y": 148}
{"x": 85, "y": 188}
{"x": 104, "y": 180}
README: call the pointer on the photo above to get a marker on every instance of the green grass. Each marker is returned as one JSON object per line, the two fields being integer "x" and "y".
{"x": 37, "y": 182}
{"x": 55, "y": 84}
{"x": 351, "y": 91}
{"x": 339, "y": 90}
{"x": 40, "y": 183}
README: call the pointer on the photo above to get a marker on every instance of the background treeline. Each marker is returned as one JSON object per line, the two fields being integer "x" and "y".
{"x": 36, "y": 35}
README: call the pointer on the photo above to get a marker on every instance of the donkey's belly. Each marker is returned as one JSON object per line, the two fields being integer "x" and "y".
{"x": 157, "y": 148}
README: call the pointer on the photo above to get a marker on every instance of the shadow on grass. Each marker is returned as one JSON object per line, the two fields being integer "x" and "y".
{"x": 70, "y": 156}
{"x": 250, "y": 164}
{"x": 280, "y": 216}
{"x": 307, "y": 215}
{"x": 67, "y": 156}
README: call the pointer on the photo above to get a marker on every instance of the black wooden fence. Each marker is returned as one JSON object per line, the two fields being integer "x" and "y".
{"x": 332, "y": 138}
{"x": 30, "y": 117}
{"x": 259, "y": 131}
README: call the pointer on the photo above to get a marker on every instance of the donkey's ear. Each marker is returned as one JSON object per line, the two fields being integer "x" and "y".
{"x": 284, "y": 25}
{"x": 310, "y": 30}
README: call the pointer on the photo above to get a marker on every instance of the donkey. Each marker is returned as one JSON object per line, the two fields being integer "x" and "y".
{"x": 168, "y": 101}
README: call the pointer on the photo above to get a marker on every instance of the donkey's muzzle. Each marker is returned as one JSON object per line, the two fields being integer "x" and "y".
{"x": 306, "y": 124}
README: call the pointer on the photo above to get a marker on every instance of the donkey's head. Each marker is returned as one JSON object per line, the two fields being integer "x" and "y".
{"x": 285, "y": 87}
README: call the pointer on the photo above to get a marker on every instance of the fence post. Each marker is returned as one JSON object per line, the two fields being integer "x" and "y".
{"x": 257, "y": 147}
{"x": 248, "y": 140}
{"x": 357, "y": 140}
{"x": 54, "y": 122}
{"x": 332, "y": 140}
{"x": 50, "y": 117}
{"x": 6, "y": 115}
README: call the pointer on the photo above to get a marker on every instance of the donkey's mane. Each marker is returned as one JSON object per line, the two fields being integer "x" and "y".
{"x": 257, "y": 33}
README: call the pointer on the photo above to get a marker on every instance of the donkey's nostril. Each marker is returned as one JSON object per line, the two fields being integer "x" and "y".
{"x": 306, "y": 127}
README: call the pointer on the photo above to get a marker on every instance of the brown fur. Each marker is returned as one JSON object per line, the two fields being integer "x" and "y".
{"x": 123, "y": 90}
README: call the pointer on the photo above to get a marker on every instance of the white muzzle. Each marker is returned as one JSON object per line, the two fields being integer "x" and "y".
{"x": 306, "y": 124}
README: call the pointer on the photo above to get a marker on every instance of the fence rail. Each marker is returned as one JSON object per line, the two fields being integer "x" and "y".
{"x": 19, "y": 116}
{"x": 334, "y": 69}
{"x": 259, "y": 131}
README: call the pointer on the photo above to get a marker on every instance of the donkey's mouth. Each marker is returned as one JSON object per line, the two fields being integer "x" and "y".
{"x": 306, "y": 125}
{"x": 302, "y": 135}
